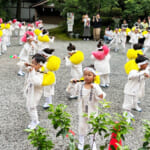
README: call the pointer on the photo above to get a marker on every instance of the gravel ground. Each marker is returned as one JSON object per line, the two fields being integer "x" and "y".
{"x": 13, "y": 114}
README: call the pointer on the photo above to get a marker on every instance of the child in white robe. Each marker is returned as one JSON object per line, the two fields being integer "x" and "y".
{"x": 44, "y": 40}
{"x": 134, "y": 88}
{"x": 147, "y": 41}
{"x": 123, "y": 37}
{"x": 89, "y": 95}
{"x": 22, "y": 31}
{"x": 75, "y": 62}
{"x": 101, "y": 59}
{"x": 51, "y": 59}
{"x": 134, "y": 36}
{"x": 116, "y": 40}
{"x": 25, "y": 53}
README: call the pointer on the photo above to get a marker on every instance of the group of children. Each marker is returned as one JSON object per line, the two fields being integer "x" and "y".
{"x": 119, "y": 38}
{"x": 85, "y": 84}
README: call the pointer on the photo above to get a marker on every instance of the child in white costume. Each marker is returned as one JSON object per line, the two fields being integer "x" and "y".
{"x": 137, "y": 71}
{"x": 101, "y": 59}
{"x": 5, "y": 38}
{"x": 16, "y": 27}
{"x": 25, "y": 52}
{"x": 22, "y": 31}
{"x": 44, "y": 40}
{"x": 134, "y": 36}
{"x": 34, "y": 87}
{"x": 75, "y": 62}
{"x": 116, "y": 40}
{"x": 1, "y": 33}
{"x": 147, "y": 41}
{"x": 52, "y": 64}
{"x": 89, "y": 95}
{"x": 123, "y": 37}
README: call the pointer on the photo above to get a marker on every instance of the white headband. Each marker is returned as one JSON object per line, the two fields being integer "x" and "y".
{"x": 91, "y": 70}
{"x": 48, "y": 55}
{"x": 73, "y": 51}
{"x": 100, "y": 48}
{"x": 142, "y": 63}
{"x": 30, "y": 37}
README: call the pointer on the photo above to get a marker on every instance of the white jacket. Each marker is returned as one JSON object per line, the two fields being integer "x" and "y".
{"x": 102, "y": 66}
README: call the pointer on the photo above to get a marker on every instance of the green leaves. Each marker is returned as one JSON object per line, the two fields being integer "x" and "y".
{"x": 39, "y": 139}
{"x": 60, "y": 119}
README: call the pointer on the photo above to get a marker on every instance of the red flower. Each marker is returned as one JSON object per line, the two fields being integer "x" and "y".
{"x": 70, "y": 131}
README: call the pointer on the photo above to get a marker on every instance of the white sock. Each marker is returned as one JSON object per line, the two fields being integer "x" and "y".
{"x": 49, "y": 100}
{"x": 81, "y": 142}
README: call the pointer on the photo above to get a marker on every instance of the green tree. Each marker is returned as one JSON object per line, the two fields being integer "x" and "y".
{"x": 137, "y": 8}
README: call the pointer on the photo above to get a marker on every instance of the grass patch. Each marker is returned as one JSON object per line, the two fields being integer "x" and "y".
{"x": 60, "y": 34}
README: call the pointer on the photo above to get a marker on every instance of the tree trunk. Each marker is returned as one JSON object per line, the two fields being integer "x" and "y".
{"x": 18, "y": 10}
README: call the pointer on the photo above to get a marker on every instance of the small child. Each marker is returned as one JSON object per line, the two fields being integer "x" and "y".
{"x": 123, "y": 37}
{"x": 134, "y": 36}
{"x": 25, "y": 52}
{"x": 44, "y": 40}
{"x": 52, "y": 64}
{"x": 89, "y": 95}
{"x": 74, "y": 60}
{"x": 101, "y": 59}
{"x": 22, "y": 31}
{"x": 133, "y": 53}
{"x": 137, "y": 71}
{"x": 116, "y": 40}
{"x": 147, "y": 41}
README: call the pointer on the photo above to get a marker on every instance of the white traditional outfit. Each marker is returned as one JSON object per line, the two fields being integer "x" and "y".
{"x": 134, "y": 38}
{"x": 123, "y": 38}
{"x": 33, "y": 92}
{"x": 102, "y": 65}
{"x": 5, "y": 39}
{"x": 134, "y": 89}
{"x": 88, "y": 100}
{"x": 24, "y": 57}
{"x": 147, "y": 42}
{"x": 76, "y": 74}
{"x": 115, "y": 41}
{"x": 21, "y": 33}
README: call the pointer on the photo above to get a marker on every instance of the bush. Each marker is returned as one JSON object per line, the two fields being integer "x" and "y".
{"x": 116, "y": 12}
{"x": 105, "y": 12}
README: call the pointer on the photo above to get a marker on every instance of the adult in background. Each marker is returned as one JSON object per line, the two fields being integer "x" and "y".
{"x": 97, "y": 23}
{"x": 86, "y": 33}
{"x": 108, "y": 35}
{"x": 124, "y": 24}
{"x": 148, "y": 18}
{"x": 139, "y": 24}
{"x": 144, "y": 24}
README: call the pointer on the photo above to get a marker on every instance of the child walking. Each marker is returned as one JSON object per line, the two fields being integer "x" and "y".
{"x": 137, "y": 71}
{"x": 25, "y": 52}
{"x": 52, "y": 64}
{"x": 34, "y": 87}
{"x": 116, "y": 40}
{"x": 147, "y": 41}
{"x": 101, "y": 59}
{"x": 74, "y": 60}
{"x": 89, "y": 95}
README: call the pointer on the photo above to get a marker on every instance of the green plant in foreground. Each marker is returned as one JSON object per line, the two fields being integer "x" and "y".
{"x": 146, "y": 127}
{"x": 60, "y": 119}
{"x": 39, "y": 139}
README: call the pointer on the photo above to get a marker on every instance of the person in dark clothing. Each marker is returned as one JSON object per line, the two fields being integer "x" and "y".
{"x": 96, "y": 22}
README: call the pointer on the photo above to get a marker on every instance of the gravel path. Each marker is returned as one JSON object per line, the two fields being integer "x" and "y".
{"x": 13, "y": 114}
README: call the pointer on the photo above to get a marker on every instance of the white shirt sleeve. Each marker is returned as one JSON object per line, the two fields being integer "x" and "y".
{"x": 98, "y": 91}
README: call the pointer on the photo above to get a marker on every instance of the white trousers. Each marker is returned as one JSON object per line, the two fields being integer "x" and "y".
{"x": 33, "y": 114}
{"x": 92, "y": 142}
{"x": 130, "y": 102}
{"x": 49, "y": 100}
{"x": 104, "y": 79}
